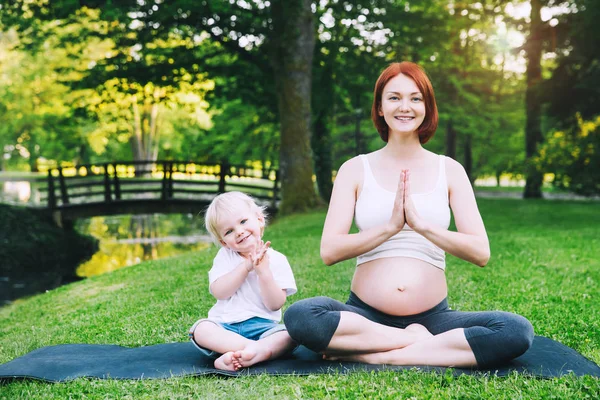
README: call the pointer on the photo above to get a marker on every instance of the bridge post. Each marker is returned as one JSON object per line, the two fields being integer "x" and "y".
{"x": 164, "y": 194}
{"x": 64, "y": 196}
{"x": 222, "y": 175}
{"x": 117, "y": 183}
{"x": 51, "y": 194}
{"x": 170, "y": 186}
{"x": 107, "y": 192}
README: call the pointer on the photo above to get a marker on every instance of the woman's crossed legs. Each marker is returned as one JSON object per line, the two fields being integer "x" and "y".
{"x": 357, "y": 332}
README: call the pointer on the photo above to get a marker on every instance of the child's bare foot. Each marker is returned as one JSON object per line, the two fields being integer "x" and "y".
{"x": 420, "y": 331}
{"x": 250, "y": 355}
{"x": 226, "y": 362}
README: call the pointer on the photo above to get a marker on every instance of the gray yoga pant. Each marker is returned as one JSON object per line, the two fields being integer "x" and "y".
{"x": 494, "y": 336}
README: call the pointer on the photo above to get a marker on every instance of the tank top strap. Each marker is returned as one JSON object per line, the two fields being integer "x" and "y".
{"x": 442, "y": 167}
{"x": 368, "y": 178}
{"x": 443, "y": 180}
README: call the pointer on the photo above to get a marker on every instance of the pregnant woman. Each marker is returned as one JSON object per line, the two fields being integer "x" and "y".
{"x": 401, "y": 197}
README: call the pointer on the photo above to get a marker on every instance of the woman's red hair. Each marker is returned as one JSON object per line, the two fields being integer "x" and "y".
{"x": 416, "y": 73}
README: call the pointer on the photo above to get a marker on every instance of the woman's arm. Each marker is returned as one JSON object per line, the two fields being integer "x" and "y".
{"x": 336, "y": 243}
{"x": 470, "y": 243}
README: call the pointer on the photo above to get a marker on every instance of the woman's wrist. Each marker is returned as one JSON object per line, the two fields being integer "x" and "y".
{"x": 422, "y": 227}
{"x": 391, "y": 229}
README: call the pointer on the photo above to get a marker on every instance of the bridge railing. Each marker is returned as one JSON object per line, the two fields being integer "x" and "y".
{"x": 165, "y": 180}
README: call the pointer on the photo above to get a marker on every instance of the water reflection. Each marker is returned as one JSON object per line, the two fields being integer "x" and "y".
{"x": 130, "y": 239}
{"x": 125, "y": 239}
{"x": 15, "y": 192}
{"x": 23, "y": 192}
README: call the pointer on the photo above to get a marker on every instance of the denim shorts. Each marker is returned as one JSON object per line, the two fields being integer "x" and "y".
{"x": 254, "y": 329}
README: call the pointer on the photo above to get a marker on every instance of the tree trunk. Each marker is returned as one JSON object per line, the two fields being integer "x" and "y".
{"x": 533, "y": 131}
{"x": 144, "y": 140}
{"x": 83, "y": 155}
{"x": 450, "y": 140}
{"x": 322, "y": 103}
{"x": 2, "y": 154}
{"x": 136, "y": 137}
{"x": 468, "y": 154}
{"x": 291, "y": 57}
{"x": 321, "y": 146}
{"x": 358, "y": 136}
{"x": 33, "y": 154}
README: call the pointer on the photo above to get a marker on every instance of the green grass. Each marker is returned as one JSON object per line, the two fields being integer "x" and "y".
{"x": 545, "y": 265}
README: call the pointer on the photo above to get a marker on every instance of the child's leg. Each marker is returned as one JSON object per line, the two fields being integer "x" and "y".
{"x": 213, "y": 337}
{"x": 271, "y": 347}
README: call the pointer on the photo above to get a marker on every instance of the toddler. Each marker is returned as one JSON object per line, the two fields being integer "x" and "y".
{"x": 250, "y": 282}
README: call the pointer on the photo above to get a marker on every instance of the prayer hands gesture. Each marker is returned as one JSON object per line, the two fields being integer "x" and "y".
{"x": 410, "y": 211}
{"x": 404, "y": 208}
{"x": 397, "y": 219}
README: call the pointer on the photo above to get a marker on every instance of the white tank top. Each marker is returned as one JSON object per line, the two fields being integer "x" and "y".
{"x": 374, "y": 208}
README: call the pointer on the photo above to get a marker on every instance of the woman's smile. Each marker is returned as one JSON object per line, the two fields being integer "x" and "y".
{"x": 402, "y": 104}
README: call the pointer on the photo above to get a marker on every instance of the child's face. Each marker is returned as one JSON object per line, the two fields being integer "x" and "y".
{"x": 240, "y": 230}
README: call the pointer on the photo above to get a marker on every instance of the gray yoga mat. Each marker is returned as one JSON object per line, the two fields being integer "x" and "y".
{"x": 545, "y": 359}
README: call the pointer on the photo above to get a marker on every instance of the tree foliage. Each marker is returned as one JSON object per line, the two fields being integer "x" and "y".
{"x": 231, "y": 80}
{"x": 573, "y": 156}
{"x": 36, "y": 117}
{"x": 572, "y": 101}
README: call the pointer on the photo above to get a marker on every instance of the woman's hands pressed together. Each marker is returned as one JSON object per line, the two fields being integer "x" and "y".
{"x": 404, "y": 208}
{"x": 411, "y": 215}
{"x": 397, "y": 221}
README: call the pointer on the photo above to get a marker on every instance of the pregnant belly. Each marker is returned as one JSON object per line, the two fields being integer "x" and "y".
{"x": 400, "y": 285}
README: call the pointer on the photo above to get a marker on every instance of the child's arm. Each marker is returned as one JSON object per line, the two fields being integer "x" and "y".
{"x": 273, "y": 296}
{"x": 224, "y": 287}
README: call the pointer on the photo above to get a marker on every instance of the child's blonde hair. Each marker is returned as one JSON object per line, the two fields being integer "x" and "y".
{"x": 228, "y": 202}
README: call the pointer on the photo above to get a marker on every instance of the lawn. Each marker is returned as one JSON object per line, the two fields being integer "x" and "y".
{"x": 545, "y": 265}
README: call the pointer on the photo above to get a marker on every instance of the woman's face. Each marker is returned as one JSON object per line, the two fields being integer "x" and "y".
{"x": 402, "y": 105}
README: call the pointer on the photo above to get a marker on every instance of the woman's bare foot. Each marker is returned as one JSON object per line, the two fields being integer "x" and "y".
{"x": 250, "y": 355}
{"x": 421, "y": 332}
{"x": 226, "y": 362}
{"x": 418, "y": 330}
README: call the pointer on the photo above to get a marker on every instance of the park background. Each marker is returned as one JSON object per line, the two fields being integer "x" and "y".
{"x": 287, "y": 86}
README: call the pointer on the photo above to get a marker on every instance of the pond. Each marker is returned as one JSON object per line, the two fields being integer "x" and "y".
{"x": 124, "y": 240}
{"x": 130, "y": 239}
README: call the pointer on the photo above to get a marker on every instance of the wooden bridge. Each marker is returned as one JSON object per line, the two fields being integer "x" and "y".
{"x": 152, "y": 187}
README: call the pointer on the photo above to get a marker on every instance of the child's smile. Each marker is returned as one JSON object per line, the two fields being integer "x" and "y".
{"x": 240, "y": 230}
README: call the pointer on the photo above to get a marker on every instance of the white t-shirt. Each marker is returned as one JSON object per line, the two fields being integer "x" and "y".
{"x": 246, "y": 302}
